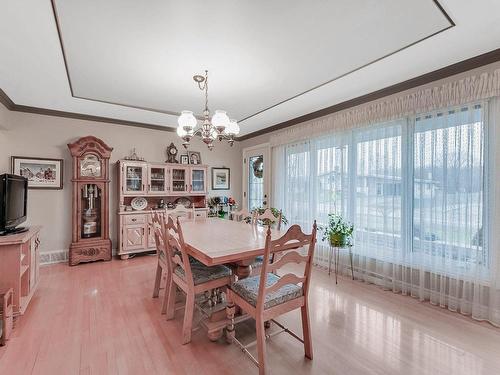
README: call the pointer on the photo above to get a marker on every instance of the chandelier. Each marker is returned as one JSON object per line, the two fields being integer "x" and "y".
{"x": 218, "y": 127}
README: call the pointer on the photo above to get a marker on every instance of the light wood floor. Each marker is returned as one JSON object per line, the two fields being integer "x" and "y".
{"x": 100, "y": 319}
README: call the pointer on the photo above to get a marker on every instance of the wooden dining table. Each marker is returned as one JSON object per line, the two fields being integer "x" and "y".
{"x": 215, "y": 241}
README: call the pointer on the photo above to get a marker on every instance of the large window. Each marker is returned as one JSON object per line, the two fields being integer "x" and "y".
{"x": 377, "y": 197}
{"x": 417, "y": 193}
{"x": 448, "y": 188}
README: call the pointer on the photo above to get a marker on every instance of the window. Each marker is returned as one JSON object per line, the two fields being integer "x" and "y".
{"x": 377, "y": 205}
{"x": 418, "y": 188}
{"x": 448, "y": 188}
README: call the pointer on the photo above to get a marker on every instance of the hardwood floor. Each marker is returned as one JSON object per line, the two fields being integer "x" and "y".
{"x": 100, "y": 318}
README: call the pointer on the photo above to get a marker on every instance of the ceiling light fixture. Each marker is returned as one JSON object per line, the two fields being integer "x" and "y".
{"x": 219, "y": 127}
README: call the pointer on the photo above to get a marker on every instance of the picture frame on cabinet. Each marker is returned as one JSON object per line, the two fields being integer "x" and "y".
{"x": 42, "y": 173}
{"x": 184, "y": 158}
{"x": 194, "y": 157}
{"x": 221, "y": 179}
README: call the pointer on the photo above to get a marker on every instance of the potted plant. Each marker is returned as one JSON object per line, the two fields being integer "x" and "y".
{"x": 338, "y": 231}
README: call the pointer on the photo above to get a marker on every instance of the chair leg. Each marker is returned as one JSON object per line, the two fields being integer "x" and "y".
{"x": 261, "y": 346}
{"x": 187, "y": 326}
{"x": 166, "y": 294}
{"x": 171, "y": 297}
{"x": 156, "y": 289}
{"x": 306, "y": 331}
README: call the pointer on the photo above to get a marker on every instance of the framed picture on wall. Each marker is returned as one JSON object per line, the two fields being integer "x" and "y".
{"x": 42, "y": 173}
{"x": 221, "y": 179}
{"x": 184, "y": 159}
{"x": 194, "y": 157}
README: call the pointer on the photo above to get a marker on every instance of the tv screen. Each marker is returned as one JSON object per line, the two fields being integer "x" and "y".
{"x": 13, "y": 198}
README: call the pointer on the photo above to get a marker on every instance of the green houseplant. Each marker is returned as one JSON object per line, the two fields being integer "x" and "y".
{"x": 338, "y": 231}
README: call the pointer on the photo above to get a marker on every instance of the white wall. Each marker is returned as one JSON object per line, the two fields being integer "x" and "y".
{"x": 35, "y": 135}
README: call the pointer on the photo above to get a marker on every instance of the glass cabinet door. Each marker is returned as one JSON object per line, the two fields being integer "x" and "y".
{"x": 157, "y": 179}
{"x": 179, "y": 178}
{"x": 90, "y": 207}
{"x": 134, "y": 175}
{"x": 198, "y": 180}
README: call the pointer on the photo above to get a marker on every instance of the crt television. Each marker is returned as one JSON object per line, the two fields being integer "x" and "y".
{"x": 13, "y": 202}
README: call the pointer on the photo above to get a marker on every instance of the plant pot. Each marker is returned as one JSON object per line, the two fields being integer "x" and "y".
{"x": 339, "y": 240}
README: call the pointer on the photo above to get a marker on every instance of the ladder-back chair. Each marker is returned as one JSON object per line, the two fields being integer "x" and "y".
{"x": 190, "y": 276}
{"x": 266, "y": 296}
{"x": 163, "y": 267}
{"x": 180, "y": 211}
{"x": 267, "y": 218}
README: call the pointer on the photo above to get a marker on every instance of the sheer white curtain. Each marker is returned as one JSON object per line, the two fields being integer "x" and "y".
{"x": 416, "y": 190}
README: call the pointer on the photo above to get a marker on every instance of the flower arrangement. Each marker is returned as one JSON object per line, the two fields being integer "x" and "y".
{"x": 274, "y": 211}
{"x": 338, "y": 231}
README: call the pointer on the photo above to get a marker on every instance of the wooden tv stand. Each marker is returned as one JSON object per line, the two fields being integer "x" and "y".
{"x": 19, "y": 266}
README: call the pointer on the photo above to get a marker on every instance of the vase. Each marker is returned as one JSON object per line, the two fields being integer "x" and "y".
{"x": 339, "y": 240}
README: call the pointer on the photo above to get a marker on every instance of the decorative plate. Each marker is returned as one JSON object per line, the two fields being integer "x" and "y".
{"x": 186, "y": 202}
{"x": 139, "y": 203}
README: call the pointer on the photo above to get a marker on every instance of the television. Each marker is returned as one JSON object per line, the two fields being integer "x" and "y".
{"x": 13, "y": 202}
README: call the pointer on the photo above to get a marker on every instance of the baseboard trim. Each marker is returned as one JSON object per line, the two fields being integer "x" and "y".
{"x": 52, "y": 257}
{"x": 58, "y": 256}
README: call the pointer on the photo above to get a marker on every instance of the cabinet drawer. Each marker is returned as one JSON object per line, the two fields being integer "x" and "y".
{"x": 134, "y": 219}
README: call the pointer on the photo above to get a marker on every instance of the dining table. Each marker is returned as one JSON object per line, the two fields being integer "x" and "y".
{"x": 216, "y": 241}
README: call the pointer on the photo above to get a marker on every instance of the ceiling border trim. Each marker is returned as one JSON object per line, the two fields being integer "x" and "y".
{"x": 436, "y": 75}
{"x": 174, "y": 113}
{"x": 10, "y": 105}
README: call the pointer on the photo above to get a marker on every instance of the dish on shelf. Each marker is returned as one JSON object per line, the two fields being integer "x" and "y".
{"x": 184, "y": 201}
{"x": 139, "y": 203}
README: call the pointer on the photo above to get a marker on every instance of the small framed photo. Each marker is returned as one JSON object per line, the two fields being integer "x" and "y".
{"x": 194, "y": 157}
{"x": 42, "y": 173}
{"x": 184, "y": 159}
{"x": 221, "y": 179}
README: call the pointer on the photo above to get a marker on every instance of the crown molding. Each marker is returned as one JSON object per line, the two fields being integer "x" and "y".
{"x": 436, "y": 75}
{"x": 10, "y": 105}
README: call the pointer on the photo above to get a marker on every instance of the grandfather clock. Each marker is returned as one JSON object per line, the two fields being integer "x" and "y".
{"x": 90, "y": 217}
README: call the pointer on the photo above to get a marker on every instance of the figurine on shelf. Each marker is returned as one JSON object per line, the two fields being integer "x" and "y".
{"x": 133, "y": 156}
{"x": 161, "y": 204}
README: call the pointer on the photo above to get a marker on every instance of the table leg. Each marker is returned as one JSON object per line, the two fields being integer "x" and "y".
{"x": 243, "y": 270}
{"x": 230, "y": 311}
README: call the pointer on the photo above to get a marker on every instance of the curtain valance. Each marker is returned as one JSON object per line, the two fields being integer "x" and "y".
{"x": 465, "y": 90}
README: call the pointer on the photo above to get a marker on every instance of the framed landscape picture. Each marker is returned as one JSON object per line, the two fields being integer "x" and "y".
{"x": 42, "y": 173}
{"x": 220, "y": 179}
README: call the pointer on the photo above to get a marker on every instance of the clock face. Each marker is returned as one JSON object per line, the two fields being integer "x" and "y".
{"x": 173, "y": 151}
{"x": 90, "y": 166}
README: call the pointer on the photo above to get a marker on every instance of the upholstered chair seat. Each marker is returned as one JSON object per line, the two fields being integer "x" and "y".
{"x": 248, "y": 289}
{"x": 202, "y": 273}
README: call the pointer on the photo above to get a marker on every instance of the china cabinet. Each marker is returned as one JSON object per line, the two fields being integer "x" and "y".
{"x": 160, "y": 184}
{"x": 90, "y": 218}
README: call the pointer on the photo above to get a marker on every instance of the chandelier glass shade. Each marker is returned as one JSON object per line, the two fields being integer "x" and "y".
{"x": 219, "y": 126}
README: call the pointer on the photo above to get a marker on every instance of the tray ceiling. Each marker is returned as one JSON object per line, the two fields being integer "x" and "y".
{"x": 267, "y": 61}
